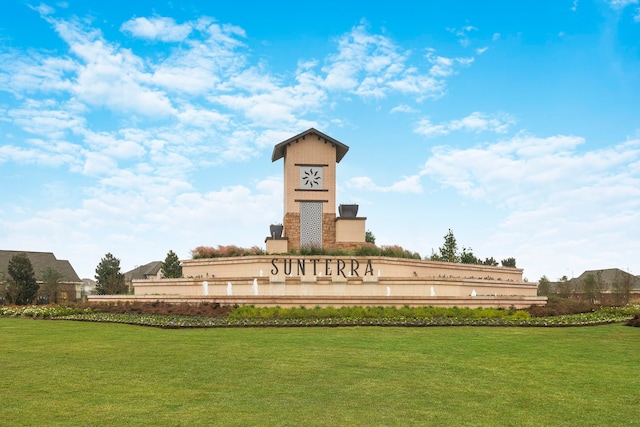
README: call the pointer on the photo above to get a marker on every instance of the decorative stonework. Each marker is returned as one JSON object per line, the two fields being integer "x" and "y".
{"x": 310, "y": 177}
{"x": 292, "y": 229}
{"x": 311, "y": 224}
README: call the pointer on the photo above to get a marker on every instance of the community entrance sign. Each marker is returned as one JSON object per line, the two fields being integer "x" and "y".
{"x": 310, "y": 221}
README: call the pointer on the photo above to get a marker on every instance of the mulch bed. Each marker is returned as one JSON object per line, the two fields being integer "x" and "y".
{"x": 204, "y": 309}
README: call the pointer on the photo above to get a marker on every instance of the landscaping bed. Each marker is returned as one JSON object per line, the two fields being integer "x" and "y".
{"x": 207, "y": 315}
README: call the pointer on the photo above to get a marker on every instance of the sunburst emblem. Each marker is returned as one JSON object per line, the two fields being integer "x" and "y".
{"x": 311, "y": 178}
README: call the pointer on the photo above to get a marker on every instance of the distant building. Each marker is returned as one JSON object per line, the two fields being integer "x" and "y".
{"x": 68, "y": 288}
{"x": 152, "y": 270}
{"x": 612, "y": 283}
{"x": 610, "y": 278}
{"x": 88, "y": 287}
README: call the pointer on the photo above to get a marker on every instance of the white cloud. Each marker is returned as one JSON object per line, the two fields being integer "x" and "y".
{"x": 41, "y": 119}
{"x": 373, "y": 66}
{"x": 203, "y": 118}
{"x": 621, "y": 4}
{"x": 34, "y": 155}
{"x": 98, "y": 164}
{"x": 157, "y": 28}
{"x": 43, "y": 9}
{"x": 403, "y": 109}
{"x": 408, "y": 184}
{"x": 527, "y": 172}
{"x": 107, "y": 75}
{"x": 560, "y": 199}
{"x": 463, "y": 34}
{"x": 475, "y": 122}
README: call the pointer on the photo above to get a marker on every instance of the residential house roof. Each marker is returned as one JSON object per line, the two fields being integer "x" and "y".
{"x": 607, "y": 276}
{"x": 146, "y": 271}
{"x": 40, "y": 262}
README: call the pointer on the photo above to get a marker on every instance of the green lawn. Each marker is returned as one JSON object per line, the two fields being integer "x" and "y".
{"x": 80, "y": 373}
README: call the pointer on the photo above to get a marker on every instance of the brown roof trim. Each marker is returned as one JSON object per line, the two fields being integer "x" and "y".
{"x": 280, "y": 149}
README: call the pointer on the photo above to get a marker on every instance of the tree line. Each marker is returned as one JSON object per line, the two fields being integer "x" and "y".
{"x": 592, "y": 288}
{"x": 22, "y": 286}
{"x": 449, "y": 252}
{"x": 110, "y": 281}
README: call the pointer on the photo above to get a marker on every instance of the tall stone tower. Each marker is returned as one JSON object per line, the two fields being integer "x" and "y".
{"x": 310, "y": 160}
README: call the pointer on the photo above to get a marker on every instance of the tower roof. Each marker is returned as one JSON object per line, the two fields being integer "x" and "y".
{"x": 280, "y": 149}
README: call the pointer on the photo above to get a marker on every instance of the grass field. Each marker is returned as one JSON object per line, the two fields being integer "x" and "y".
{"x": 78, "y": 373}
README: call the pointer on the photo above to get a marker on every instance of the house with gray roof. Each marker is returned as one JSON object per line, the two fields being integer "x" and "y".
{"x": 613, "y": 284}
{"x": 68, "y": 287}
{"x": 152, "y": 270}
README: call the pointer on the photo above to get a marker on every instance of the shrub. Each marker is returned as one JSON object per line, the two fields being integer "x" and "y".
{"x": 224, "y": 251}
{"x": 635, "y": 321}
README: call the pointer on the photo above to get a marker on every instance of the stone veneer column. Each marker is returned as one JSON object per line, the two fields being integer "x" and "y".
{"x": 329, "y": 230}
{"x": 292, "y": 229}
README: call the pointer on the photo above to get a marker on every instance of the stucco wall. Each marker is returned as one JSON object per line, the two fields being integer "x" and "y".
{"x": 350, "y": 230}
{"x": 251, "y": 266}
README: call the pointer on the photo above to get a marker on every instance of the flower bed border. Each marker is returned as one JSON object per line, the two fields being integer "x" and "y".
{"x": 599, "y": 317}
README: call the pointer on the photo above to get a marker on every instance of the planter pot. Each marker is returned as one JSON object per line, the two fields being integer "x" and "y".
{"x": 348, "y": 211}
{"x": 276, "y": 230}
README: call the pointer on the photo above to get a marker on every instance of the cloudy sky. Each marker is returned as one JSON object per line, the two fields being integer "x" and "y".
{"x": 140, "y": 127}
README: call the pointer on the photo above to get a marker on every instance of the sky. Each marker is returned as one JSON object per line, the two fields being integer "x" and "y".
{"x": 139, "y": 127}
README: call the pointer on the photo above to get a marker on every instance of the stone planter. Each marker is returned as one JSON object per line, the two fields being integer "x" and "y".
{"x": 348, "y": 211}
{"x": 276, "y": 230}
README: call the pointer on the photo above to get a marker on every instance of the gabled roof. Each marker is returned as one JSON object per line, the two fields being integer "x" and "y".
{"x": 144, "y": 271}
{"x": 608, "y": 276}
{"x": 40, "y": 261}
{"x": 280, "y": 149}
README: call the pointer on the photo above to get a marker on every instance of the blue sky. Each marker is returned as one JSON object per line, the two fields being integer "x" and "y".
{"x": 141, "y": 127}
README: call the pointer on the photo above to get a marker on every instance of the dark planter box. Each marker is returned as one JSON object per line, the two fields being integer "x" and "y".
{"x": 348, "y": 211}
{"x": 276, "y": 230}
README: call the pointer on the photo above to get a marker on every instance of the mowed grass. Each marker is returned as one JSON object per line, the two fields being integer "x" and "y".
{"x": 77, "y": 373}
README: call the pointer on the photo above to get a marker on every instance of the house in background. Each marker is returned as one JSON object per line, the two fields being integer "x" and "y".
{"x": 152, "y": 270}
{"x": 88, "y": 286}
{"x": 68, "y": 288}
{"x": 612, "y": 284}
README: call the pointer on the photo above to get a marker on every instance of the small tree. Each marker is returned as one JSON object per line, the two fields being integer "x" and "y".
{"x": 369, "y": 237}
{"x": 109, "y": 280}
{"x": 449, "y": 251}
{"x": 50, "y": 283}
{"x": 467, "y": 256}
{"x": 564, "y": 287}
{"x": 509, "y": 262}
{"x": 590, "y": 288}
{"x": 544, "y": 286}
{"x": 621, "y": 287}
{"x": 490, "y": 261}
{"x": 22, "y": 287}
{"x": 171, "y": 268}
